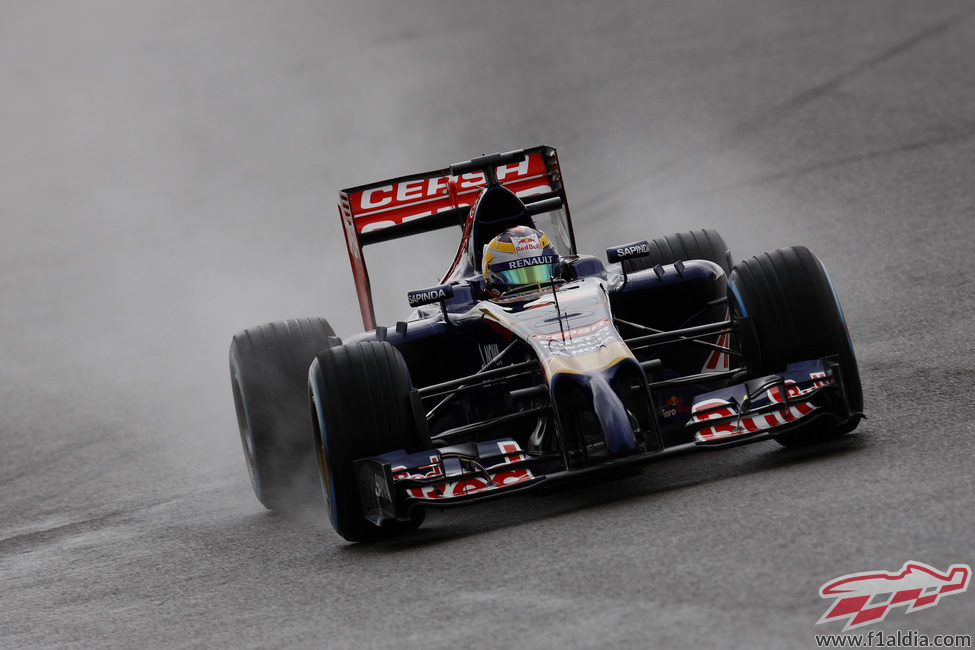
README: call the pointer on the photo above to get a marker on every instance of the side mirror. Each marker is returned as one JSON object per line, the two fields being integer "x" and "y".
{"x": 429, "y": 296}
{"x": 627, "y": 251}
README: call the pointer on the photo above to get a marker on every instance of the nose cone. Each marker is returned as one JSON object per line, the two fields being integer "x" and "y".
{"x": 612, "y": 416}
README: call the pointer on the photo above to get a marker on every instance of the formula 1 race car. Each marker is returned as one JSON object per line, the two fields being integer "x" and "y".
{"x": 530, "y": 363}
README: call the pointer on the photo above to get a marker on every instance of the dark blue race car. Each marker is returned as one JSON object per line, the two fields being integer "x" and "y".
{"x": 530, "y": 362}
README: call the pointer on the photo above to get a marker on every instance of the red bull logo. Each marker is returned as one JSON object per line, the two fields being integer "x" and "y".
{"x": 530, "y": 243}
{"x": 866, "y": 598}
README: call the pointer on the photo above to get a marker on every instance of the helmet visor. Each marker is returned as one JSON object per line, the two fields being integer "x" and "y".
{"x": 535, "y": 274}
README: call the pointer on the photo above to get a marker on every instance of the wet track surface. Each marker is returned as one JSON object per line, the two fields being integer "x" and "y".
{"x": 168, "y": 176}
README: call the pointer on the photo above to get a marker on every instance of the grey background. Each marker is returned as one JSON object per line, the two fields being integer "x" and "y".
{"x": 168, "y": 174}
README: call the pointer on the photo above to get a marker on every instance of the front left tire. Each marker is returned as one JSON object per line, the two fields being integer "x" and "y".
{"x": 269, "y": 378}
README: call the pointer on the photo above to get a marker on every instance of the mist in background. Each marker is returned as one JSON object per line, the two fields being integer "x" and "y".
{"x": 169, "y": 173}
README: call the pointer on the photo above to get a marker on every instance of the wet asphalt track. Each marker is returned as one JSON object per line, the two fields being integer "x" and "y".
{"x": 168, "y": 176}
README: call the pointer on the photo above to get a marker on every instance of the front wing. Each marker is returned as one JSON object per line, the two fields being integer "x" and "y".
{"x": 393, "y": 484}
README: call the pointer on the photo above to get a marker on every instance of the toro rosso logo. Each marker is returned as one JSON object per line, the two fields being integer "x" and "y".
{"x": 865, "y": 598}
{"x": 672, "y": 406}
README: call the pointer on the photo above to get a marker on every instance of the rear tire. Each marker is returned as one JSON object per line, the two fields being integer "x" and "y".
{"x": 269, "y": 376}
{"x": 360, "y": 401}
{"x": 797, "y": 316}
{"x": 695, "y": 245}
{"x": 704, "y": 244}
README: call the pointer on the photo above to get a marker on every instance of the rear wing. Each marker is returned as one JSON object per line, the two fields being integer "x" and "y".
{"x": 420, "y": 203}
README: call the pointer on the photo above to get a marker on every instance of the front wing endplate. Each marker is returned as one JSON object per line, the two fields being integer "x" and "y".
{"x": 392, "y": 484}
{"x": 762, "y": 406}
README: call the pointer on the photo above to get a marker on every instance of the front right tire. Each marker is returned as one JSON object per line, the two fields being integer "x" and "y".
{"x": 361, "y": 407}
{"x": 797, "y": 316}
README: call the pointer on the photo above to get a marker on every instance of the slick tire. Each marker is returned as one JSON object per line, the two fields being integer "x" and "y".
{"x": 796, "y": 316}
{"x": 682, "y": 246}
{"x": 704, "y": 244}
{"x": 269, "y": 377}
{"x": 360, "y": 404}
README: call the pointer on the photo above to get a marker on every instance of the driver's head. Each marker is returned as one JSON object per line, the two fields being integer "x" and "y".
{"x": 518, "y": 257}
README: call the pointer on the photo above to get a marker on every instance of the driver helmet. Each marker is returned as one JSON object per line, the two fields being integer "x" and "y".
{"x": 518, "y": 257}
